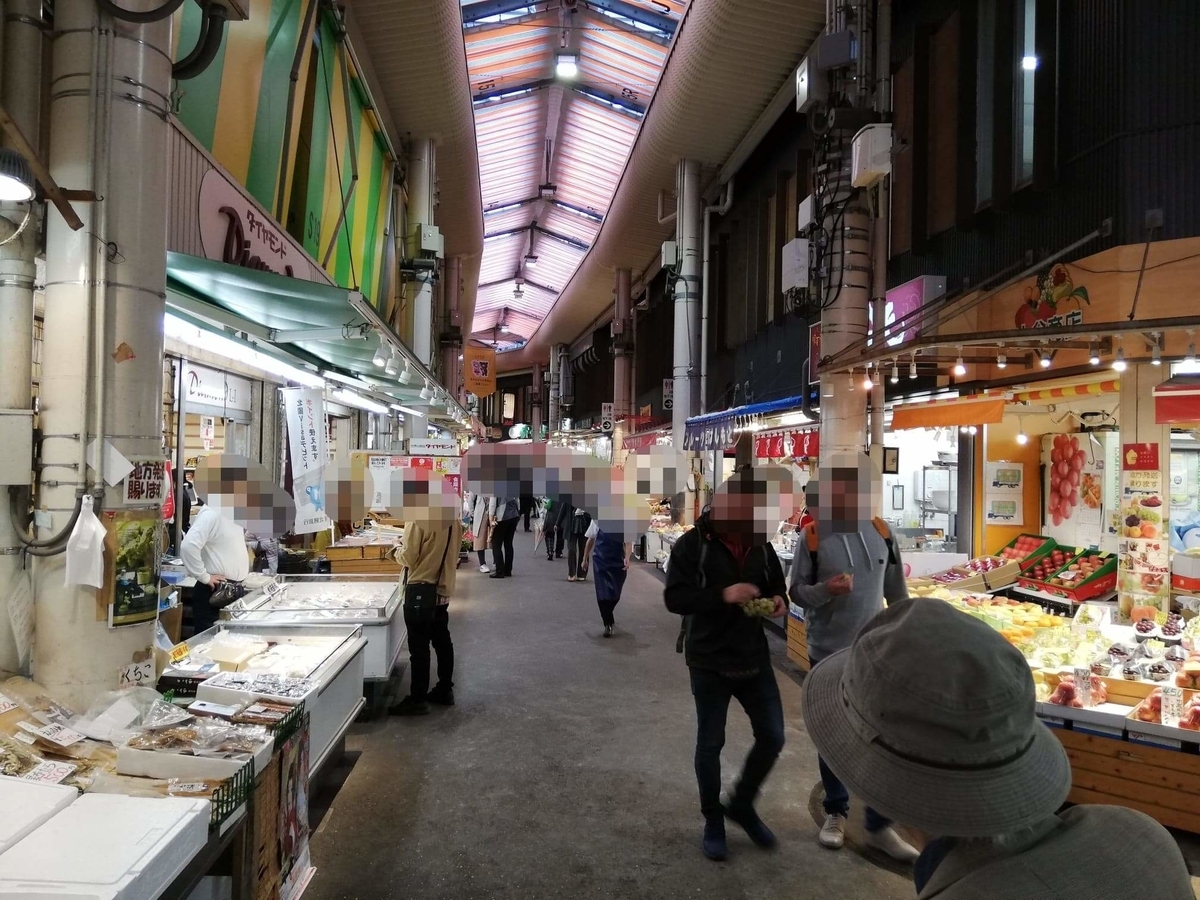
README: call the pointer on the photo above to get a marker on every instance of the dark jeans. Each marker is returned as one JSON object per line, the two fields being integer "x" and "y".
{"x": 420, "y": 636}
{"x": 837, "y": 798}
{"x": 576, "y": 564}
{"x": 554, "y": 542}
{"x": 759, "y": 697}
{"x": 204, "y": 616}
{"x": 502, "y": 545}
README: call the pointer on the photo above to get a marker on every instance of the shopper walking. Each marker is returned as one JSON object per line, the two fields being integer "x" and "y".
{"x": 610, "y": 560}
{"x": 430, "y": 561}
{"x": 576, "y": 541}
{"x": 527, "y": 506}
{"x": 845, "y": 564}
{"x": 929, "y": 717}
{"x": 714, "y": 570}
{"x": 506, "y": 512}
{"x": 481, "y": 529}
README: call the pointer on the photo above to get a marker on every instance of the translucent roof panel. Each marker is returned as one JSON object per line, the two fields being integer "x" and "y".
{"x": 586, "y": 124}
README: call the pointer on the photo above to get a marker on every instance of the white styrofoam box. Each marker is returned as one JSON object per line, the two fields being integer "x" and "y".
{"x": 871, "y": 155}
{"x": 795, "y": 264}
{"x": 155, "y": 764}
{"x": 107, "y": 847}
{"x": 27, "y": 804}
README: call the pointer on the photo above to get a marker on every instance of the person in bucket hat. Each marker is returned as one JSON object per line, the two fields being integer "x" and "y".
{"x": 929, "y": 718}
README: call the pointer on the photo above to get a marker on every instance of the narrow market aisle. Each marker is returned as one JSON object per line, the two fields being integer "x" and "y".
{"x": 565, "y": 770}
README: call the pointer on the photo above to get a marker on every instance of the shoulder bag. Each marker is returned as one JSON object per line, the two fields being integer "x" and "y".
{"x": 420, "y": 600}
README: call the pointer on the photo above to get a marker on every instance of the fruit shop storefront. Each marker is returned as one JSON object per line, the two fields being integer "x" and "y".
{"x": 1077, "y": 396}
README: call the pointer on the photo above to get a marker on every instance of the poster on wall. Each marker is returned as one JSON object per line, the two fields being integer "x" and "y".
{"x": 1144, "y": 564}
{"x": 208, "y": 431}
{"x": 293, "y": 814}
{"x": 307, "y": 442}
{"x": 1074, "y": 489}
{"x": 146, "y": 484}
{"x": 132, "y": 546}
{"x": 1003, "y": 499}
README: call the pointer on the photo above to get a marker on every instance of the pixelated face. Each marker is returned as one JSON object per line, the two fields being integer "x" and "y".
{"x": 401, "y": 492}
{"x": 750, "y": 504}
{"x": 616, "y": 497}
{"x": 244, "y": 492}
{"x": 846, "y": 492}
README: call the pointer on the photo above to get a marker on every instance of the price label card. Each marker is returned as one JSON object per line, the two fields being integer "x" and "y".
{"x": 191, "y": 787}
{"x": 6, "y": 705}
{"x": 49, "y": 772}
{"x": 272, "y": 588}
{"x": 1172, "y": 705}
{"x": 180, "y": 652}
{"x": 25, "y": 738}
{"x": 1083, "y": 685}
{"x": 55, "y": 734}
{"x": 139, "y": 674}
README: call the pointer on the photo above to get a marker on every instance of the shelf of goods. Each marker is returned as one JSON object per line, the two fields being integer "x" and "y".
{"x": 320, "y": 666}
{"x": 142, "y": 795}
{"x": 370, "y": 552}
{"x": 372, "y": 602}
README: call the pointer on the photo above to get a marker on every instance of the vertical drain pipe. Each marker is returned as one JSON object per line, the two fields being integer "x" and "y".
{"x": 109, "y": 113}
{"x": 23, "y": 100}
{"x": 555, "y": 420}
{"x": 687, "y": 296}
{"x": 881, "y": 224}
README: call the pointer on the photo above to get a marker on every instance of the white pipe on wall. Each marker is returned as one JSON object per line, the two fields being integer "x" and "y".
{"x": 687, "y": 299}
{"x": 110, "y": 81}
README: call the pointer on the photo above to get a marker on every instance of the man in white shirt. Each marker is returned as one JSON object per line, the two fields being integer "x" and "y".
{"x": 213, "y": 551}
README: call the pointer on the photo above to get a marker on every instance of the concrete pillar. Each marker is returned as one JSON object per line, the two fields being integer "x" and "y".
{"x": 622, "y": 356}
{"x": 687, "y": 298}
{"x": 555, "y": 421}
{"x": 536, "y": 402}
{"x": 104, "y": 313}
{"x": 451, "y": 366}
{"x": 22, "y": 99}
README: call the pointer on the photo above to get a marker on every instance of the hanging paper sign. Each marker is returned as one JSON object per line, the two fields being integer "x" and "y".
{"x": 307, "y": 441}
{"x": 208, "y": 431}
{"x": 145, "y": 485}
{"x": 168, "y": 507}
{"x": 479, "y": 370}
{"x": 1144, "y": 548}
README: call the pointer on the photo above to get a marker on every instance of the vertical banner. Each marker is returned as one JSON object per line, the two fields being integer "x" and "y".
{"x": 479, "y": 370}
{"x": 305, "y": 410}
{"x": 1145, "y": 575}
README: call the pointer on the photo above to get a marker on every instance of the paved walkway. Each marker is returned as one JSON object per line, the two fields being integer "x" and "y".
{"x": 565, "y": 771}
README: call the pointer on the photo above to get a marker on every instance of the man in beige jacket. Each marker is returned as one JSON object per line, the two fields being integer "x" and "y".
{"x": 430, "y": 560}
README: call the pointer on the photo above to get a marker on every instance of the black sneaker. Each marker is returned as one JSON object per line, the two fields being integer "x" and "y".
{"x": 608, "y": 631}
{"x": 409, "y": 707}
{"x": 748, "y": 819}
{"x": 441, "y": 696}
{"x": 713, "y": 844}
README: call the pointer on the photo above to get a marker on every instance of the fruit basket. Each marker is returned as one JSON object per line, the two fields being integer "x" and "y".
{"x": 1073, "y": 575}
{"x": 1027, "y": 549}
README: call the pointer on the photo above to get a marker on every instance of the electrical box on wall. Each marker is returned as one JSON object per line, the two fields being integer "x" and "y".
{"x": 16, "y": 447}
{"x": 670, "y": 255}
{"x": 804, "y": 217}
{"x": 811, "y": 85}
{"x": 837, "y": 49}
{"x": 431, "y": 240}
{"x": 795, "y": 264}
{"x": 871, "y": 155}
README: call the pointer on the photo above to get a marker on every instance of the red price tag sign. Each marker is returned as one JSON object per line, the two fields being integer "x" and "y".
{"x": 1139, "y": 457}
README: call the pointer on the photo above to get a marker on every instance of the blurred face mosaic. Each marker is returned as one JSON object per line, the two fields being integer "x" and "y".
{"x": 845, "y": 493}
{"x": 407, "y": 493}
{"x": 244, "y": 492}
{"x": 750, "y": 505}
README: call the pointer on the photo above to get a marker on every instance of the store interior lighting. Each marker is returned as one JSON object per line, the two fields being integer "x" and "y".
{"x": 960, "y": 368}
{"x": 1119, "y": 363}
{"x": 530, "y": 261}
{"x": 426, "y": 393}
{"x": 382, "y": 354}
{"x": 566, "y": 66}
{"x": 867, "y": 382}
{"x": 17, "y": 184}
{"x": 1029, "y": 63}
{"x": 1044, "y": 359}
{"x": 204, "y": 341}
{"x": 895, "y": 379}
{"x": 1093, "y": 354}
{"x": 393, "y": 364}
{"x": 341, "y": 395}
{"x": 793, "y": 418}
{"x": 1155, "y": 351}
{"x": 1022, "y": 437}
{"x": 912, "y": 367}
{"x": 406, "y": 376}
{"x": 875, "y": 379}
{"x": 852, "y": 383}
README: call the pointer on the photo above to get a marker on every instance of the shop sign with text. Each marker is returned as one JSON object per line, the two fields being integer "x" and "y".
{"x": 208, "y": 387}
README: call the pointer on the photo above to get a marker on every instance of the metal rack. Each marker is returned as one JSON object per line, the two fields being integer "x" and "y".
{"x": 926, "y": 502}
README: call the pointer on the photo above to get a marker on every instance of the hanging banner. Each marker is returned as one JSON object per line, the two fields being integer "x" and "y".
{"x": 305, "y": 411}
{"x": 1144, "y": 549}
{"x": 784, "y": 444}
{"x": 479, "y": 370}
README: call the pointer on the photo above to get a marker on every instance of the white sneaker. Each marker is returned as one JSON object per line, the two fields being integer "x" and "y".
{"x": 887, "y": 841}
{"x": 485, "y": 569}
{"x": 833, "y": 832}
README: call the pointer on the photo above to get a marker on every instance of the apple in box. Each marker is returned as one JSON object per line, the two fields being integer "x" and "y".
{"x": 984, "y": 564}
{"x": 1024, "y": 546}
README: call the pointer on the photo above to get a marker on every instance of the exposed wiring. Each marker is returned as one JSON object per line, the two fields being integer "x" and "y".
{"x": 20, "y": 228}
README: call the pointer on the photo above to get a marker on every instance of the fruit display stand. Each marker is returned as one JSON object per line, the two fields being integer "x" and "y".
{"x": 1083, "y": 576}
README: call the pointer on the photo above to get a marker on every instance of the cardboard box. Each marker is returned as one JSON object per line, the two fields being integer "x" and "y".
{"x": 1102, "y": 581}
{"x": 1046, "y": 546}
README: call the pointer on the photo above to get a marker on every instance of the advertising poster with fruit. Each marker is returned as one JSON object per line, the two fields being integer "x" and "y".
{"x": 1074, "y": 489}
{"x": 1003, "y": 503}
{"x": 1145, "y": 574}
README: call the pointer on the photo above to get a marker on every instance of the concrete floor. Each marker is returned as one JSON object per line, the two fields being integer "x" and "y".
{"x": 565, "y": 771}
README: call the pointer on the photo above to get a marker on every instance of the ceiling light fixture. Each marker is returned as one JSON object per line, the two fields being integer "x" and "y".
{"x": 851, "y": 383}
{"x": 530, "y": 261}
{"x": 393, "y": 364}
{"x": 1001, "y": 361}
{"x": 1119, "y": 363}
{"x": 382, "y": 354}
{"x": 357, "y": 400}
{"x": 876, "y": 379}
{"x": 1044, "y": 358}
{"x": 1093, "y": 353}
{"x": 960, "y": 368}
{"x": 867, "y": 383}
{"x": 16, "y": 178}
{"x": 566, "y": 66}
{"x": 406, "y": 376}
{"x": 1022, "y": 437}
{"x": 1155, "y": 351}
{"x": 895, "y": 379}
{"x": 1029, "y": 63}
{"x": 912, "y": 367}
{"x": 426, "y": 393}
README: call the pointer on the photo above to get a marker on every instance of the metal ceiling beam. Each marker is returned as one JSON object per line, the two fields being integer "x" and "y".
{"x": 473, "y": 12}
{"x": 570, "y": 241}
{"x": 659, "y": 38}
{"x": 622, "y": 105}
{"x": 662, "y": 23}
{"x": 510, "y": 92}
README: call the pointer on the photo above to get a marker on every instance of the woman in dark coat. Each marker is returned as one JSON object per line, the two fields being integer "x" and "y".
{"x": 610, "y": 560}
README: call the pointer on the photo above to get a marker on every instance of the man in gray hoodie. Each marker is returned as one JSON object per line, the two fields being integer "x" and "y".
{"x": 846, "y": 563}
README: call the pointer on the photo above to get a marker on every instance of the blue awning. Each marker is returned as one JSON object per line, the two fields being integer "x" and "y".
{"x": 717, "y": 430}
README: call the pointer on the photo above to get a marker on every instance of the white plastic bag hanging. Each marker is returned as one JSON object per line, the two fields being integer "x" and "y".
{"x": 85, "y": 549}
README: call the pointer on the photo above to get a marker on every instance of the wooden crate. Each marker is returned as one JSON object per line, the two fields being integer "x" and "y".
{"x": 1162, "y": 783}
{"x": 797, "y": 642}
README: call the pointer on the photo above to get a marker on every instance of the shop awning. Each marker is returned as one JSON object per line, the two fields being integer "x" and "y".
{"x": 320, "y": 322}
{"x": 949, "y": 413}
{"x": 1067, "y": 392}
{"x": 1177, "y": 401}
{"x": 718, "y": 430}
{"x": 785, "y": 442}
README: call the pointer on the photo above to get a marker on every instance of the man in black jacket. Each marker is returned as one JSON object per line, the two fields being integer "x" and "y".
{"x": 562, "y": 515}
{"x": 714, "y": 570}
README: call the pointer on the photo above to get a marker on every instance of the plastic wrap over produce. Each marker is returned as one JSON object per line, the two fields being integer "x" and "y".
{"x": 407, "y": 493}
{"x": 244, "y": 492}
